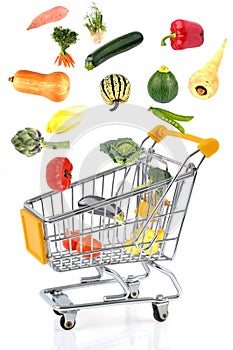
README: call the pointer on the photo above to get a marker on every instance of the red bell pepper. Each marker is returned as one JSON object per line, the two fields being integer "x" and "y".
{"x": 58, "y": 173}
{"x": 184, "y": 34}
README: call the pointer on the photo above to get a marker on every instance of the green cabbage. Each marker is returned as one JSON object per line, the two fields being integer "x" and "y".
{"x": 123, "y": 150}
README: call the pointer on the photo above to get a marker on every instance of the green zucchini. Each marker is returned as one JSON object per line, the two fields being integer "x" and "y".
{"x": 112, "y": 48}
{"x": 162, "y": 85}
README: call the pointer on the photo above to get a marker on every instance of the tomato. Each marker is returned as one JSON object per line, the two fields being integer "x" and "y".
{"x": 72, "y": 242}
{"x": 87, "y": 244}
{"x": 58, "y": 173}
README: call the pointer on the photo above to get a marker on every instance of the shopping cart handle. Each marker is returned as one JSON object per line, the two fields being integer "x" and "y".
{"x": 206, "y": 146}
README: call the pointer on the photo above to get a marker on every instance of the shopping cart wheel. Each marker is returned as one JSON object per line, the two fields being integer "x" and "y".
{"x": 133, "y": 285}
{"x": 160, "y": 309}
{"x": 67, "y": 323}
{"x": 57, "y": 312}
{"x": 134, "y": 294}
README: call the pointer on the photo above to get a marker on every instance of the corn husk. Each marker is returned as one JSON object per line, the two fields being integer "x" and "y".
{"x": 65, "y": 119}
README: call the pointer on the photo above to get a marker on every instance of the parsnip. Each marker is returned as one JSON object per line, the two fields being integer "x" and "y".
{"x": 204, "y": 83}
{"x": 65, "y": 119}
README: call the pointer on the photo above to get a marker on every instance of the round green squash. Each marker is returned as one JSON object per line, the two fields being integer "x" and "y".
{"x": 162, "y": 85}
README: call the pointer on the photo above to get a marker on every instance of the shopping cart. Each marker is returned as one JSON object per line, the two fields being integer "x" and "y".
{"x": 68, "y": 232}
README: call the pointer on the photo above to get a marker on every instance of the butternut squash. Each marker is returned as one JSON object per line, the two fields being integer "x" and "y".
{"x": 54, "y": 86}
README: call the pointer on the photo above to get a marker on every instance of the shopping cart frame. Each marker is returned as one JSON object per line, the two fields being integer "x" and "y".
{"x": 55, "y": 296}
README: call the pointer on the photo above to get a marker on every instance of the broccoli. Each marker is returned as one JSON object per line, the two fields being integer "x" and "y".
{"x": 155, "y": 175}
{"x": 123, "y": 150}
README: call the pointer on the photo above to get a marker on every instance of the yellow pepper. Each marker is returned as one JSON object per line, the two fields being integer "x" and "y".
{"x": 145, "y": 209}
{"x": 147, "y": 237}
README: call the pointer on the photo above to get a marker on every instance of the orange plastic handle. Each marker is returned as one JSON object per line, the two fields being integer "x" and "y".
{"x": 34, "y": 235}
{"x": 207, "y": 146}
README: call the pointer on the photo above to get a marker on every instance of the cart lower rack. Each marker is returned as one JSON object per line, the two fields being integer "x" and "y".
{"x": 115, "y": 217}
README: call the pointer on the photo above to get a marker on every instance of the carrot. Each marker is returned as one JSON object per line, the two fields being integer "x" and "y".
{"x": 65, "y": 37}
{"x": 70, "y": 58}
{"x": 204, "y": 83}
{"x": 64, "y": 59}
{"x": 52, "y": 15}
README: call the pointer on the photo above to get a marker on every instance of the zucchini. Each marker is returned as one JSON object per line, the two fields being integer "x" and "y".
{"x": 162, "y": 85}
{"x": 111, "y": 211}
{"x": 112, "y": 48}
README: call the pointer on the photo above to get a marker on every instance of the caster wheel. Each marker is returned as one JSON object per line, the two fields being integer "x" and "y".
{"x": 134, "y": 295}
{"x": 57, "y": 312}
{"x": 159, "y": 314}
{"x": 67, "y": 325}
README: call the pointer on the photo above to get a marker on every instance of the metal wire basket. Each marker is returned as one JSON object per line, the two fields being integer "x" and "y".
{"x": 128, "y": 220}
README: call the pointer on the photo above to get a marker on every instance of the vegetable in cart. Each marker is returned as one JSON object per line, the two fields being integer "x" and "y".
{"x": 65, "y": 37}
{"x": 29, "y": 141}
{"x": 54, "y": 86}
{"x": 59, "y": 173}
{"x": 122, "y": 150}
{"x": 94, "y": 24}
{"x": 112, "y": 48}
{"x": 115, "y": 89}
{"x": 52, "y": 15}
{"x": 204, "y": 83}
{"x": 81, "y": 244}
{"x": 144, "y": 241}
{"x": 156, "y": 175}
{"x": 184, "y": 34}
{"x": 163, "y": 85}
{"x": 65, "y": 119}
{"x": 147, "y": 206}
{"x": 88, "y": 244}
{"x": 70, "y": 244}
{"x": 170, "y": 117}
{"x": 110, "y": 210}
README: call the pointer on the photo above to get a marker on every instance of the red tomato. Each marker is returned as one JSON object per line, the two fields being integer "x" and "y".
{"x": 58, "y": 173}
{"x": 88, "y": 243}
{"x": 72, "y": 242}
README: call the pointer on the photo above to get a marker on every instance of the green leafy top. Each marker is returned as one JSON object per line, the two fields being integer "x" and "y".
{"x": 64, "y": 37}
{"x": 94, "y": 20}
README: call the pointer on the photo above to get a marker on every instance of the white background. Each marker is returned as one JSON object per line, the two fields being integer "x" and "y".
{"x": 202, "y": 317}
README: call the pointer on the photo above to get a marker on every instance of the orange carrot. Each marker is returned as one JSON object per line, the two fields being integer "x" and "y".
{"x": 64, "y": 59}
{"x": 65, "y": 37}
{"x": 52, "y": 15}
{"x": 69, "y": 59}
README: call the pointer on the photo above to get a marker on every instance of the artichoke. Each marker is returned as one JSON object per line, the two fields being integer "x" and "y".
{"x": 29, "y": 142}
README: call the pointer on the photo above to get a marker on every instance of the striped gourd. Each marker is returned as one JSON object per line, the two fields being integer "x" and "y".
{"x": 115, "y": 88}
